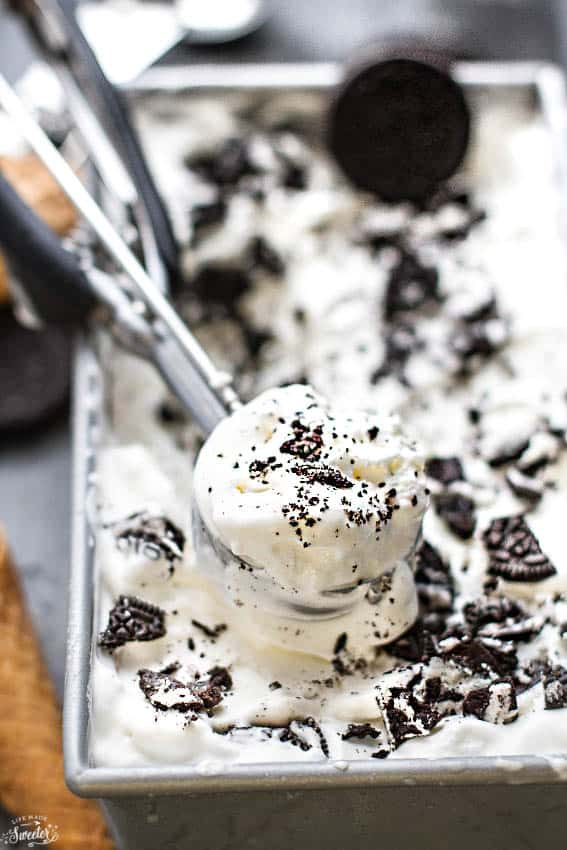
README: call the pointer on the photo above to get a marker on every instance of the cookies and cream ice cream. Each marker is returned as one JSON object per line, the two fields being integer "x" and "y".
{"x": 450, "y": 316}
{"x": 316, "y": 502}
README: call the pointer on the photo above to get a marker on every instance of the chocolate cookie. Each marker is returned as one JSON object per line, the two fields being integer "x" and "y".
{"x": 399, "y": 126}
{"x": 34, "y": 373}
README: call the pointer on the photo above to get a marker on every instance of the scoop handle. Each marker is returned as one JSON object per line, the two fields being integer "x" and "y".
{"x": 50, "y": 276}
{"x": 112, "y": 110}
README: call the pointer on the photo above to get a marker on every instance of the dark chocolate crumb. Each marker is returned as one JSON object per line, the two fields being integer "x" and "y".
{"x": 476, "y": 702}
{"x": 479, "y": 339}
{"x": 434, "y": 581}
{"x": 460, "y": 232}
{"x": 411, "y": 285}
{"x": 488, "y": 611}
{"x": 306, "y": 442}
{"x": 220, "y": 286}
{"x": 514, "y": 551}
{"x": 444, "y": 469}
{"x": 167, "y": 693}
{"x": 132, "y": 619}
{"x": 508, "y": 454}
{"x": 227, "y": 165}
{"x": 219, "y": 677}
{"x": 169, "y": 413}
{"x": 322, "y": 474}
{"x": 400, "y": 341}
{"x": 294, "y": 176}
{"x": 416, "y": 644}
{"x": 555, "y": 688}
{"x": 207, "y": 215}
{"x": 210, "y": 631}
{"x": 289, "y": 736}
{"x": 312, "y": 723}
{"x": 482, "y": 656}
{"x": 154, "y": 537}
{"x": 458, "y": 512}
{"x": 360, "y": 730}
{"x": 262, "y": 255}
{"x": 525, "y": 486}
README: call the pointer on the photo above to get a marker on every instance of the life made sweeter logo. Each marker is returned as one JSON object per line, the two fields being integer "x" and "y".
{"x": 30, "y": 831}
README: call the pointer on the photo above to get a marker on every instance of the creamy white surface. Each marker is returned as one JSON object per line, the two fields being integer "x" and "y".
{"x": 316, "y": 502}
{"x": 338, "y": 286}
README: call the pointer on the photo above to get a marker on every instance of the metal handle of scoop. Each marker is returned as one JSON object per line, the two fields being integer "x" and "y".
{"x": 101, "y": 115}
{"x": 205, "y": 391}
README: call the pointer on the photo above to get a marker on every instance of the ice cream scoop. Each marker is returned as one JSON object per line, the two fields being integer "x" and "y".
{"x": 305, "y": 507}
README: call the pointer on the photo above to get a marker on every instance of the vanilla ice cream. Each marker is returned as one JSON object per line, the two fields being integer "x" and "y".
{"x": 315, "y": 502}
{"x": 309, "y": 643}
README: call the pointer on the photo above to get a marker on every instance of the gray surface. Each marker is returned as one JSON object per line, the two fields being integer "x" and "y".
{"x": 303, "y": 30}
{"x": 402, "y": 818}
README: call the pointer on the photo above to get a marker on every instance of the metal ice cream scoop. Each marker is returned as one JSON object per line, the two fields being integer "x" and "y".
{"x": 56, "y": 288}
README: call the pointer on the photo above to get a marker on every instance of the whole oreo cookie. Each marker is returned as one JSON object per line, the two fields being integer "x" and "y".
{"x": 399, "y": 124}
{"x": 34, "y": 373}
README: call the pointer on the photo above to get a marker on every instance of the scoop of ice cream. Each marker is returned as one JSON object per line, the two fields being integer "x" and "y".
{"x": 316, "y": 502}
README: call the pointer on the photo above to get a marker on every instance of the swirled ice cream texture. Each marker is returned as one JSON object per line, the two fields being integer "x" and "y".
{"x": 318, "y": 500}
{"x": 452, "y": 319}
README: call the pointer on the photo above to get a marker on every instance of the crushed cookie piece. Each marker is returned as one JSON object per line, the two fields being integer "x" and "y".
{"x": 525, "y": 486}
{"x": 322, "y": 474}
{"x": 306, "y": 442}
{"x": 132, "y": 619}
{"x": 400, "y": 341}
{"x": 219, "y": 286}
{"x": 411, "y": 285}
{"x": 210, "y": 631}
{"x": 149, "y": 535}
{"x": 167, "y": 693}
{"x": 416, "y": 644}
{"x": 219, "y": 677}
{"x": 360, "y": 730}
{"x": 446, "y": 470}
{"x": 514, "y": 551}
{"x": 207, "y": 215}
{"x": 481, "y": 655}
{"x": 495, "y": 703}
{"x": 555, "y": 688}
{"x": 264, "y": 256}
{"x": 289, "y": 736}
{"x": 458, "y": 511}
{"x": 435, "y": 586}
{"x": 312, "y": 724}
{"x": 225, "y": 166}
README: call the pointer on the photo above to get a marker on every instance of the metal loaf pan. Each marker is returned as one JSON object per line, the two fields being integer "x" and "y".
{"x": 505, "y": 803}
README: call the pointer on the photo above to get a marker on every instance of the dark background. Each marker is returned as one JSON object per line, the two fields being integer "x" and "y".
{"x": 35, "y": 469}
